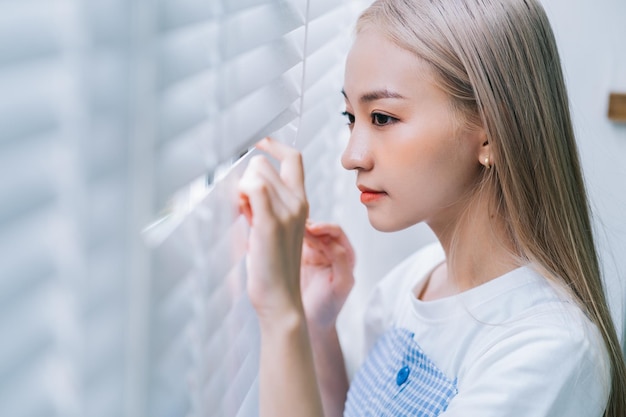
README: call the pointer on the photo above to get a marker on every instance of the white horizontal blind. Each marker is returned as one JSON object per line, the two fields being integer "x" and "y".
{"x": 321, "y": 125}
{"x": 226, "y": 73}
{"x": 186, "y": 58}
{"x": 276, "y": 68}
{"x": 62, "y": 208}
{"x": 230, "y": 71}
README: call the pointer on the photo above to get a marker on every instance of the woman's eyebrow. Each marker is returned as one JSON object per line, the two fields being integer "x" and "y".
{"x": 377, "y": 95}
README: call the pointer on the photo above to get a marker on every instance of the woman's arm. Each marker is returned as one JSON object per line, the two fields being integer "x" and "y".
{"x": 331, "y": 371}
{"x": 287, "y": 380}
{"x": 327, "y": 279}
{"x": 276, "y": 207}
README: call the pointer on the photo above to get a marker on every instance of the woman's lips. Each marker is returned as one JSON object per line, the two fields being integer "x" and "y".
{"x": 369, "y": 196}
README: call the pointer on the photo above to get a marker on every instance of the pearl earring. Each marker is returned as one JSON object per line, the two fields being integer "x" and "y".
{"x": 487, "y": 162}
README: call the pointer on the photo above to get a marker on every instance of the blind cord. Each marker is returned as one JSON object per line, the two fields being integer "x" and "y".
{"x": 303, "y": 80}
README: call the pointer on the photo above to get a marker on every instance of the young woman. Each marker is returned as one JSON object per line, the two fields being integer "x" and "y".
{"x": 459, "y": 118}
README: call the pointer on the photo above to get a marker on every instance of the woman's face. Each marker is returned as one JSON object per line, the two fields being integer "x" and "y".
{"x": 413, "y": 158}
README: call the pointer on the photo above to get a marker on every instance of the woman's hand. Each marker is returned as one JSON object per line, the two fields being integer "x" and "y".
{"x": 326, "y": 274}
{"x": 276, "y": 207}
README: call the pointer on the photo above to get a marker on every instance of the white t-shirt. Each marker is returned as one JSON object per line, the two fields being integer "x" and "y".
{"x": 514, "y": 346}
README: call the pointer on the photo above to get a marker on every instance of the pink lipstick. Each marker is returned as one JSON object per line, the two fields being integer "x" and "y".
{"x": 369, "y": 196}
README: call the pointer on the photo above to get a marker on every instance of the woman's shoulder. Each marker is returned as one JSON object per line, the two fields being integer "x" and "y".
{"x": 551, "y": 342}
{"x": 540, "y": 313}
{"x": 542, "y": 366}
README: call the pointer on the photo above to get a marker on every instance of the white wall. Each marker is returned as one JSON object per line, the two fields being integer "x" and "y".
{"x": 591, "y": 39}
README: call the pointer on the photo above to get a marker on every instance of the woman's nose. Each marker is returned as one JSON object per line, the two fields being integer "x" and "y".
{"x": 357, "y": 154}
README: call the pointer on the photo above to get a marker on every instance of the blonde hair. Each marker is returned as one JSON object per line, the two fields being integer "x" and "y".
{"x": 499, "y": 62}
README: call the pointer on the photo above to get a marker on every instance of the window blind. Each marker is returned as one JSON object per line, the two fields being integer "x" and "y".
{"x": 224, "y": 80}
{"x": 62, "y": 203}
{"x": 112, "y": 113}
{"x": 276, "y": 68}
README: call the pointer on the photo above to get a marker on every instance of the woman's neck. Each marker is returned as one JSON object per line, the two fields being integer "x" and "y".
{"x": 478, "y": 249}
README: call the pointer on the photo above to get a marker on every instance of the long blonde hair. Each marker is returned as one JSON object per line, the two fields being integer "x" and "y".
{"x": 499, "y": 62}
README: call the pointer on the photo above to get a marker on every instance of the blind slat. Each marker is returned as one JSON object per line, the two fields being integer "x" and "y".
{"x": 28, "y": 394}
{"x": 30, "y": 101}
{"x": 186, "y": 52}
{"x": 31, "y": 336}
{"x": 254, "y": 115}
{"x": 328, "y": 29}
{"x": 186, "y": 105}
{"x": 18, "y": 42}
{"x": 318, "y": 8}
{"x": 184, "y": 160}
{"x": 180, "y": 13}
{"x": 102, "y": 349}
{"x": 255, "y": 69}
{"x": 256, "y": 26}
{"x": 172, "y": 262}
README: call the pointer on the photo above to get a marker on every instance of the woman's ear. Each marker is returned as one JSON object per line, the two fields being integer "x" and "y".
{"x": 485, "y": 156}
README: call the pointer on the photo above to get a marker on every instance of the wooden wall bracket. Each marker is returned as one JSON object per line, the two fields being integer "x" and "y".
{"x": 617, "y": 107}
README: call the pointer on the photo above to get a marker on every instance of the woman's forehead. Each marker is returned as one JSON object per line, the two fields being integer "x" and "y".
{"x": 378, "y": 68}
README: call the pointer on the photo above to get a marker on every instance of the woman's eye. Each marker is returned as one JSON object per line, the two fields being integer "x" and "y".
{"x": 349, "y": 116}
{"x": 380, "y": 119}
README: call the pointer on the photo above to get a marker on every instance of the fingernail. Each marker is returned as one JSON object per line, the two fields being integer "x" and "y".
{"x": 245, "y": 208}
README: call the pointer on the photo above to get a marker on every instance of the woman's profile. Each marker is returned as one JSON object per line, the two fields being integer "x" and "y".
{"x": 459, "y": 118}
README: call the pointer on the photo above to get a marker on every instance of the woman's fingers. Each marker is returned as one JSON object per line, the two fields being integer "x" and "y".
{"x": 255, "y": 197}
{"x": 285, "y": 189}
{"x": 261, "y": 174}
{"x": 264, "y": 169}
{"x": 313, "y": 251}
{"x": 330, "y": 250}
{"x": 335, "y": 233}
{"x": 343, "y": 268}
{"x": 244, "y": 207}
{"x": 291, "y": 167}
{"x": 327, "y": 278}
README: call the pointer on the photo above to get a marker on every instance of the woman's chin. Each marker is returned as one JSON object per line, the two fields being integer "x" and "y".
{"x": 387, "y": 225}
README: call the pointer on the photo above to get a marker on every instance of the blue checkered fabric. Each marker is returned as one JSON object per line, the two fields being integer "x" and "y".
{"x": 398, "y": 379}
